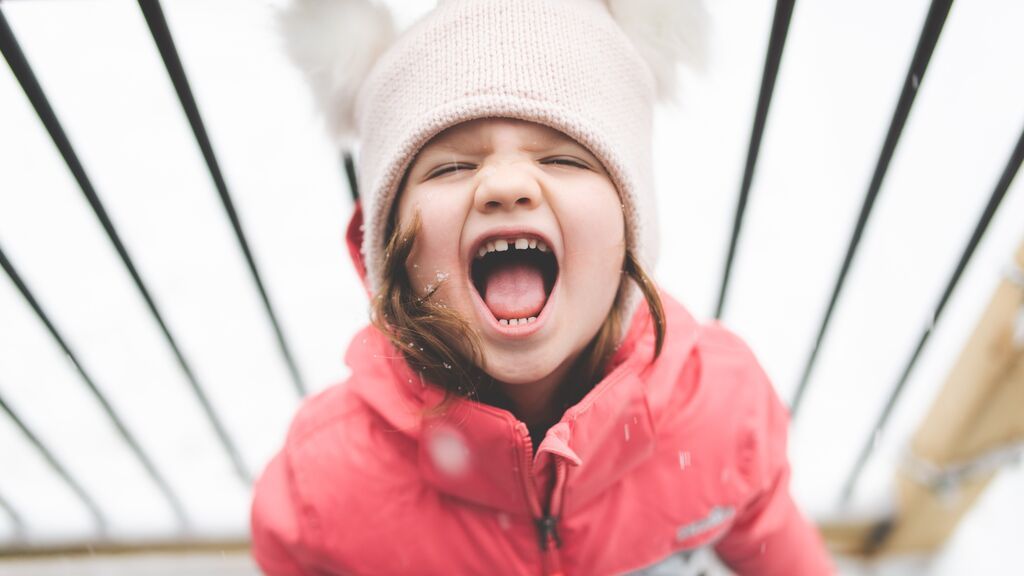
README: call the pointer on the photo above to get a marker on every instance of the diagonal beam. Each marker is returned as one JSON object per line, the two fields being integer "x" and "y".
{"x": 926, "y": 42}
{"x": 776, "y": 43}
{"x": 971, "y": 431}
{"x": 99, "y": 519}
{"x": 350, "y": 173}
{"x": 1002, "y": 186}
{"x": 125, "y": 434}
{"x": 12, "y": 52}
{"x": 16, "y": 521}
{"x": 165, "y": 43}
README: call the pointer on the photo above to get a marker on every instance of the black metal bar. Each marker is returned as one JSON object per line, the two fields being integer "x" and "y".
{"x": 776, "y": 44}
{"x": 933, "y": 24}
{"x": 165, "y": 43}
{"x": 126, "y": 435}
{"x": 23, "y": 72}
{"x": 16, "y": 519}
{"x": 350, "y": 172}
{"x": 1002, "y": 186}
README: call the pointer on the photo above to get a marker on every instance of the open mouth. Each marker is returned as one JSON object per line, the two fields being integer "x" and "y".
{"x": 514, "y": 277}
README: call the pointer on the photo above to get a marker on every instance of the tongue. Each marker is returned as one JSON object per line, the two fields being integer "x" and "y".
{"x": 515, "y": 290}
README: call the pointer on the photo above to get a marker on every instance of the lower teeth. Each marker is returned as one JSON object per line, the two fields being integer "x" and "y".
{"x": 517, "y": 321}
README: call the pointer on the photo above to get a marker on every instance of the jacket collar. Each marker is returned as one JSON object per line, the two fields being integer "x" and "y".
{"x": 479, "y": 453}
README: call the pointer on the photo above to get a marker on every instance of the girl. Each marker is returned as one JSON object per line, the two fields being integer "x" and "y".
{"x": 525, "y": 400}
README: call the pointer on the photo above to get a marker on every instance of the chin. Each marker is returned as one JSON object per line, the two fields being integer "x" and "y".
{"x": 528, "y": 365}
{"x": 520, "y": 369}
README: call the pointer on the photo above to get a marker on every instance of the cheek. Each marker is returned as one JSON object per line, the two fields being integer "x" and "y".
{"x": 594, "y": 234}
{"x": 435, "y": 254}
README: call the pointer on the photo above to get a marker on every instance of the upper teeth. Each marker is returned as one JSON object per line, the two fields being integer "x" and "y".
{"x": 503, "y": 244}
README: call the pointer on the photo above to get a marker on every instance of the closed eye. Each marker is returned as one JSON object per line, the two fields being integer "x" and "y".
{"x": 449, "y": 168}
{"x": 565, "y": 162}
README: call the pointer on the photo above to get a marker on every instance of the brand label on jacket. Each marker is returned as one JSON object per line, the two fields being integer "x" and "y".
{"x": 718, "y": 516}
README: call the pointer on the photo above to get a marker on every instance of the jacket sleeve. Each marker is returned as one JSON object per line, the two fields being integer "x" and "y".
{"x": 770, "y": 535}
{"x": 275, "y": 521}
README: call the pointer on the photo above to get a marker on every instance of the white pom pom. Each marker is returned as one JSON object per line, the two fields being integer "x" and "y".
{"x": 665, "y": 32}
{"x": 336, "y": 43}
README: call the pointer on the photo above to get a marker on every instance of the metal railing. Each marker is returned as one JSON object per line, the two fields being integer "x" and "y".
{"x": 162, "y": 37}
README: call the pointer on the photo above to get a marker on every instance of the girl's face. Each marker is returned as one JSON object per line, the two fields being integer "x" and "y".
{"x": 523, "y": 231}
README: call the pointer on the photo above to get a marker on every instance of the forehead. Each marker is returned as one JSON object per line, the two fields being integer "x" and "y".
{"x": 487, "y": 133}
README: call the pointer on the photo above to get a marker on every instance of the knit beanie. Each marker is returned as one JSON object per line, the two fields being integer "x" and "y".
{"x": 592, "y": 69}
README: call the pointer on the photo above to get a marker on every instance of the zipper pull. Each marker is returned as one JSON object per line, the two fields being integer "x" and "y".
{"x": 547, "y": 528}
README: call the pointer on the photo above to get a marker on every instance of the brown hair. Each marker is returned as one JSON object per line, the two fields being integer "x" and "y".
{"x": 424, "y": 329}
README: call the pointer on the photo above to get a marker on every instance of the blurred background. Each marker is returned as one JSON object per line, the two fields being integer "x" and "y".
{"x": 837, "y": 187}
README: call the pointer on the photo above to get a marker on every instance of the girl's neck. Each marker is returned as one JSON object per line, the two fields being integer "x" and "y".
{"x": 539, "y": 404}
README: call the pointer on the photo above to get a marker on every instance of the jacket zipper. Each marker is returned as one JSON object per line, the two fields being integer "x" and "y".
{"x": 546, "y": 521}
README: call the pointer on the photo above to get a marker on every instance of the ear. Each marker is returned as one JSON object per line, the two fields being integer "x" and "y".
{"x": 336, "y": 43}
{"x": 666, "y": 33}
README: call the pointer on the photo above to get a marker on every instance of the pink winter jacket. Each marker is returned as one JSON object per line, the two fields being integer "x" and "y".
{"x": 659, "y": 459}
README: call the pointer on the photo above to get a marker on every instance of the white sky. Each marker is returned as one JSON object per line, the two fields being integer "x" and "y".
{"x": 840, "y": 78}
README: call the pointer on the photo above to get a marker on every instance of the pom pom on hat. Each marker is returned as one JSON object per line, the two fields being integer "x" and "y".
{"x": 336, "y": 43}
{"x": 666, "y": 33}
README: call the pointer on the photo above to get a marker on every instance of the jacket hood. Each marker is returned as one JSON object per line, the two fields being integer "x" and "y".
{"x": 354, "y": 242}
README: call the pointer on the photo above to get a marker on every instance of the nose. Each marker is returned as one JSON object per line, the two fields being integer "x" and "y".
{"x": 507, "y": 187}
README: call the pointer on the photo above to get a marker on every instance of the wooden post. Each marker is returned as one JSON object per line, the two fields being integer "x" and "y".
{"x": 979, "y": 411}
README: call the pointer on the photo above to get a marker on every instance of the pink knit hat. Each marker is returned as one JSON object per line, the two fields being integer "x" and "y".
{"x": 591, "y": 69}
